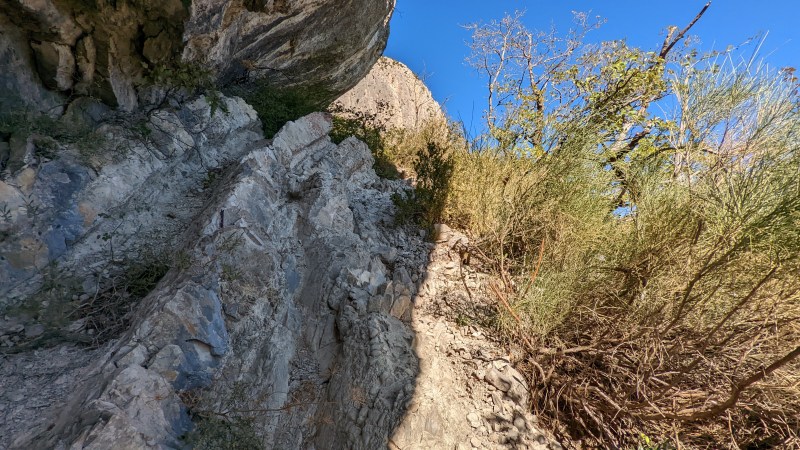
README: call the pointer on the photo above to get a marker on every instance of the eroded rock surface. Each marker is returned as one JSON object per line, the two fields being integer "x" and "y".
{"x": 294, "y": 313}
{"x": 105, "y": 49}
{"x": 394, "y": 96}
{"x": 295, "y": 287}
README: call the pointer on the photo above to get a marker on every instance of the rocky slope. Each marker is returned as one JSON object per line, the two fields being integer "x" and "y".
{"x": 468, "y": 394}
{"x": 51, "y": 50}
{"x": 293, "y": 287}
{"x": 294, "y": 313}
{"x": 393, "y": 95}
{"x": 175, "y": 280}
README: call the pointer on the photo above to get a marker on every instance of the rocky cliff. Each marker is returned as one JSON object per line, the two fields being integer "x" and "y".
{"x": 288, "y": 310}
{"x": 393, "y": 95}
{"x": 292, "y": 286}
{"x": 52, "y": 50}
{"x": 169, "y": 278}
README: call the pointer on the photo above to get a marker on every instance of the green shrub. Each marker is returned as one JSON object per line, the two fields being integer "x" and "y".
{"x": 425, "y": 204}
{"x": 49, "y": 132}
{"x": 647, "y": 264}
{"x": 276, "y": 106}
{"x": 369, "y": 130}
{"x": 186, "y": 79}
{"x": 213, "y": 433}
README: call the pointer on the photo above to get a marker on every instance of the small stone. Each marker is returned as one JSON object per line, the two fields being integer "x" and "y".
{"x": 512, "y": 435}
{"x": 34, "y": 331}
{"x": 374, "y": 332}
{"x": 474, "y": 419}
{"x": 476, "y": 443}
{"x": 16, "y": 396}
{"x": 499, "y": 380}
{"x": 519, "y": 422}
{"x": 499, "y": 364}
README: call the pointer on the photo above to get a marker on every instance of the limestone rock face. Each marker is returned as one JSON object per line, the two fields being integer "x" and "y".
{"x": 289, "y": 284}
{"x": 328, "y": 44}
{"x": 105, "y": 49}
{"x": 393, "y": 95}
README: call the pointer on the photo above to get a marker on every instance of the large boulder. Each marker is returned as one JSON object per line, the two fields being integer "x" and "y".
{"x": 106, "y": 49}
{"x": 392, "y": 96}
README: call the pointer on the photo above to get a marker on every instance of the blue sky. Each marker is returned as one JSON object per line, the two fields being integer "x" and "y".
{"x": 427, "y": 35}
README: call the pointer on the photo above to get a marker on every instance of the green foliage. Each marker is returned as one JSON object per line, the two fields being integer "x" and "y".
{"x": 224, "y": 418}
{"x": 646, "y": 443}
{"x": 426, "y": 203}
{"x": 366, "y": 128}
{"x": 49, "y": 132}
{"x": 277, "y": 106}
{"x": 188, "y": 76}
{"x": 104, "y": 313}
{"x": 187, "y": 79}
{"x": 213, "y": 433}
{"x": 649, "y": 259}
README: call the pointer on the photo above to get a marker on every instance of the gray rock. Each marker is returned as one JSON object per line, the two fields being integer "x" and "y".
{"x": 394, "y": 95}
{"x": 105, "y": 51}
{"x": 252, "y": 245}
{"x": 34, "y": 330}
{"x": 16, "y": 396}
{"x": 499, "y": 380}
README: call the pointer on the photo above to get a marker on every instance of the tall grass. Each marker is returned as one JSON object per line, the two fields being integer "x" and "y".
{"x": 677, "y": 315}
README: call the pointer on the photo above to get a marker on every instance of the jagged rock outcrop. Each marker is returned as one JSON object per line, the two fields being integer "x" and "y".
{"x": 393, "y": 95}
{"x": 105, "y": 49}
{"x": 294, "y": 313}
{"x": 292, "y": 286}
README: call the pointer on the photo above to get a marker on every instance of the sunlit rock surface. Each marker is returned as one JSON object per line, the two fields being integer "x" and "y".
{"x": 394, "y": 96}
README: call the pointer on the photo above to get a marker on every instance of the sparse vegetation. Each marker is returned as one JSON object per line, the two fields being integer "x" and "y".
{"x": 367, "y": 128}
{"x": 48, "y": 132}
{"x": 426, "y": 203}
{"x": 647, "y": 263}
{"x": 71, "y": 315}
{"x": 275, "y": 106}
{"x": 186, "y": 79}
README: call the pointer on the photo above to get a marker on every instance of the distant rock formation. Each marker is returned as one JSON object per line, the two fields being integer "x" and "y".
{"x": 105, "y": 49}
{"x": 394, "y": 95}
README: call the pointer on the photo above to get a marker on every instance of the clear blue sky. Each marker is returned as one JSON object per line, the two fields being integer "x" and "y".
{"x": 427, "y": 35}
